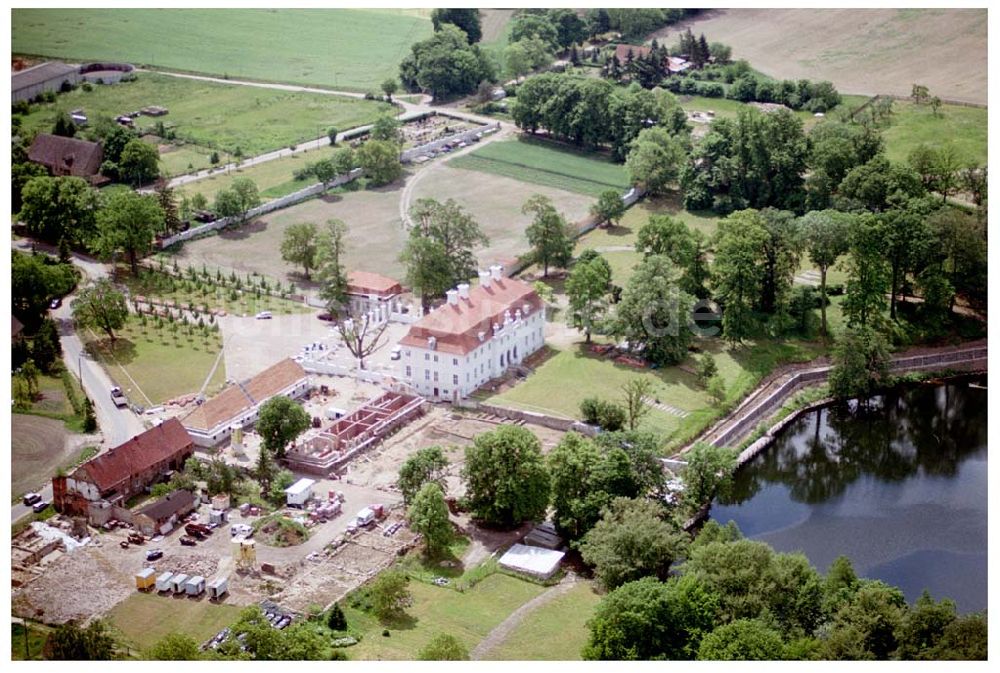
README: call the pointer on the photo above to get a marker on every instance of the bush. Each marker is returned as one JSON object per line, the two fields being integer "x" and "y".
{"x": 606, "y": 414}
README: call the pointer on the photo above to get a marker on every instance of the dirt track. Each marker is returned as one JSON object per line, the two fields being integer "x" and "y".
{"x": 863, "y": 51}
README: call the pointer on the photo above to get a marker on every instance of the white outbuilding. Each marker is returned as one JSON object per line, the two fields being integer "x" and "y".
{"x": 194, "y": 586}
{"x": 534, "y": 561}
{"x": 299, "y": 493}
{"x": 163, "y": 582}
{"x": 218, "y": 587}
{"x": 177, "y": 583}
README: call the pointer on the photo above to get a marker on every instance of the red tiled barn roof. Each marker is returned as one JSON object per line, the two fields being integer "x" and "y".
{"x": 164, "y": 442}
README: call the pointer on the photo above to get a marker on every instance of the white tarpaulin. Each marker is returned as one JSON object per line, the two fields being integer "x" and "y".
{"x": 534, "y": 561}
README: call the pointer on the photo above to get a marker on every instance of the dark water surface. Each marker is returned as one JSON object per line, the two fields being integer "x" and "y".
{"x": 899, "y": 487}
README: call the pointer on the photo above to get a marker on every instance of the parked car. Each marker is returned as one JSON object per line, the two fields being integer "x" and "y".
{"x": 285, "y": 621}
{"x": 187, "y": 541}
{"x": 154, "y": 554}
{"x": 396, "y": 353}
{"x": 118, "y": 397}
{"x": 39, "y": 506}
{"x": 55, "y": 303}
{"x": 328, "y": 317}
{"x": 264, "y": 315}
{"x": 30, "y": 499}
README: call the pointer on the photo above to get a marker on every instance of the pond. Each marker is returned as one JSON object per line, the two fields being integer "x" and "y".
{"x": 898, "y": 485}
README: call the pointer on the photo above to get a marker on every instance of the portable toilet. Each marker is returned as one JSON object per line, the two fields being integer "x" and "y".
{"x": 163, "y": 582}
{"x": 145, "y": 579}
{"x": 177, "y": 583}
{"x": 218, "y": 587}
{"x": 194, "y": 586}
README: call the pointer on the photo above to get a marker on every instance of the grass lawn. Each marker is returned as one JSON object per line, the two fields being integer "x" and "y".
{"x": 726, "y": 108}
{"x": 212, "y": 115}
{"x": 546, "y": 163}
{"x": 143, "y": 619}
{"x": 468, "y": 616}
{"x": 36, "y": 636}
{"x": 577, "y": 374}
{"x": 53, "y": 401}
{"x": 352, "y": 49}
{"x": 162, "y": 363}
{"x": 181, "y": 159}
{"x": 962, "y": 128}
{"x": 273, "y": 178}
{"x": 556, "y": 631}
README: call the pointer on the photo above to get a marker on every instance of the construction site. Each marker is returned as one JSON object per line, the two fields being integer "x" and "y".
{"x": 68, "y": 570}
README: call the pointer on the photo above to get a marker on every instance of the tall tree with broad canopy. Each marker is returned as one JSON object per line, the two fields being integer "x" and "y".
{"x": 439, "y": 253}
{"x": 465, "y": 18}
{"x": 906, "y": 239}
{"x": 380, "y": 160}
{"x": 742, "y": 640}
{"x": 505, "y": 477}
{"x": 632, "y": 540}
{"x": 781, "y": 255}
{"x": 549, "y": 234}
{"x": 139, "y": 162}
{"x": 446, "y": 64}
{"x": 860, "y": 363}
{"x": 587, "y": 288}
{"x": 237, "y": 201}
{"x": 427, "y": 465}
{"x": 868, "y": 274}
{"x": 654, "y": 313}
{"x": 827, "y": 237}
{"x": 428, "y": 515}
{"x": 648, "y": 619}
{"x": 708, "y": 473}
{"x": 330, "y": 247}
{"x": 175, "y": 647}
{"x": 609, "y": 208}
{"x": 655, "y": 159}
{"x": 70, "y": 642}
{"x": 299, "y": 246}
{"x": 281, "y": 420}
{"x": 390, "y": 594}
{"x": 100, "y": 306}
{"x": 127, "y": 222}
{"x": 58, "y": 209}
{"x": 738, "y": 272}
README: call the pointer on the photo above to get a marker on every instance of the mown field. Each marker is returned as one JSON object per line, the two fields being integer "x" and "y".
{"x": 143, "y": 619}
{"x": 350, "y": 49}
{"x": 468, "y": 616}
{"x": 556, "y": 631}
{"x": 208, "y": 115}
{"x": 962, "y": 128}
{"x": 543, "y": 163}
{"x": 273, "y": 178}
{"x": 160, "y": 362}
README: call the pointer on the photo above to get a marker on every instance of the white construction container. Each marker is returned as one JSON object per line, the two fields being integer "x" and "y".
{"x": 365, "y": 516}
{"x": 218, "y": 587}
{"x": 194, "y": 586}
{"x": 299, "y": 493}
{"x": 177, "y": 583}
{"x": 163, "y": 582}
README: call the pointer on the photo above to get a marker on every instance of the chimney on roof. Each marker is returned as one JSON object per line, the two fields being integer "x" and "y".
{"x": 484, "y": 278}
{"x": 496, "y": 272}
{"x": 463, "y": 290}
{"x": 452, "y": 297}
{"x": 432, "y": 343}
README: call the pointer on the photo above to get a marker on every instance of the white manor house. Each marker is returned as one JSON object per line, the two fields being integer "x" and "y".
{"x": 477, "y": 335}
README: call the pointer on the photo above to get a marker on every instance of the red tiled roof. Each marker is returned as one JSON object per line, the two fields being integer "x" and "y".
{"x": 156, "y": 445}
{"x": 622, "y": 50}
{"x": 366, "y": 282}
{"x": 457, "y": 326}
{"x": 236, "y": 399}
{"x": 66, "y": 156}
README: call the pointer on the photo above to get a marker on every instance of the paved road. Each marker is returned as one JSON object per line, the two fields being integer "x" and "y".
{"x": 117, "y": 425}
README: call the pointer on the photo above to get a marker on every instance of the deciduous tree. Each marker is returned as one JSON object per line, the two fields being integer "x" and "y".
{"x": 860, "y": 363}
{"x": 280, "y": 421}
{"x": 428, "y": 515}
{"x": 587, "y": 288}
{"x": 300, "y": 246}
{"x": 427, "y": 465}
{"x": 549, "y": 234}
{"x": 505, "y": 476}
{"x": 655, "y": 160}
{"x": 102, "y": 307}
{"x": 444, "y": 647}
{"x": 827, "y": 236}
{"x": 330, "y": 248}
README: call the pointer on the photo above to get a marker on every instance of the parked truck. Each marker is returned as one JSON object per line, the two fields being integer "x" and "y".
{"x": 118, "y": 397}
